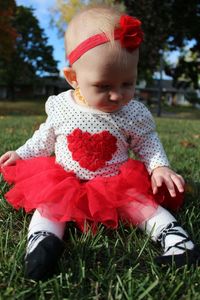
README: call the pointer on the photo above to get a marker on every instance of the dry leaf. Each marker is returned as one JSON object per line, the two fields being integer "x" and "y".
{"x": 196, "y": 136}
{"x": 187, "y": 144}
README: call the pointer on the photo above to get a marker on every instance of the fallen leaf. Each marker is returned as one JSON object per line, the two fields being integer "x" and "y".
{"x": 196, "y": 136}
{"x": 187, "y": 144}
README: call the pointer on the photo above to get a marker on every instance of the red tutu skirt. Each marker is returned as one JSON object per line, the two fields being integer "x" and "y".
{"x": 42, "y": 184}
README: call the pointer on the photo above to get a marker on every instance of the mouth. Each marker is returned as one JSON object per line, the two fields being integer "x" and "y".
{"x": 112, "y": 108}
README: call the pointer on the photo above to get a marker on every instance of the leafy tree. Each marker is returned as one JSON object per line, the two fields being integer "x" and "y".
{"x": 8, "y": 33}
{"x": 32, "y": 55}
{"x": 186, "y": 72}
{"x": 169, "y": 25}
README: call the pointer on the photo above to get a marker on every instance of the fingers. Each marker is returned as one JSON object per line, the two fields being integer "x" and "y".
{"x": 4, "y": 158}
{"x": 154, "y": 185}
{"x": 9, "y": 158}
{"x": 170, "y": 186}
{"x": 9, "y": 161}
{"x": 171, "y": 180}
{"x": 168, "y": 182}
{"x": 178, "y": 182}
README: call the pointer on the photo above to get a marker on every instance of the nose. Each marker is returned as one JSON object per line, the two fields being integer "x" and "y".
{"x": 115, "y": 95}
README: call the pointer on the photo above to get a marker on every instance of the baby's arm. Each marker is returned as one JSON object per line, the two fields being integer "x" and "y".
{"x": 145, "y": 141}
{"x": 9, "y": 158}
{"x": 40, "y": 144}
{"x": 43, "y": 140}
{"x": 146, "y": 144}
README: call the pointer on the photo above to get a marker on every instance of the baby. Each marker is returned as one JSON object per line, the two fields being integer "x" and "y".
{"x": 91, "y": 129}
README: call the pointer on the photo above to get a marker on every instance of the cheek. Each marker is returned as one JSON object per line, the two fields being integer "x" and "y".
{"x": 92, "y": 96}
{"x": 129, "y": 94}
{"x": 99, "y": 100}
{"x": 85, "y": 90}
{"x": 98, "y": 97}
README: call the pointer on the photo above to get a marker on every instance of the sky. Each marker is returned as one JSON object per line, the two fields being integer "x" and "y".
{"x": 43, "y": 15}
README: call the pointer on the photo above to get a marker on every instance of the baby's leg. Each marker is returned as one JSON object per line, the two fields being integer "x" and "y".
{"x": 40, "y": 228}
{"x": 44, "y": 247}
{"x": 164, "y": 228}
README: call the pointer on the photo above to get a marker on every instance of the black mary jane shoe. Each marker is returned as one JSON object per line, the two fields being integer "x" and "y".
{"x": 190, "y": 257}
{"x": 42, "y": 262}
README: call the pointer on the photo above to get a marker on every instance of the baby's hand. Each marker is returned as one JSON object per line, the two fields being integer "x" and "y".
{"x": 9, "y": 158}
{"x": 165, "y": 175}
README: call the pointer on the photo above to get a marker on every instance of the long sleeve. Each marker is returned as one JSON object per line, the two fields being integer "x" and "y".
{"x": 43, "y": 140}
{"x": 145, "y": 141}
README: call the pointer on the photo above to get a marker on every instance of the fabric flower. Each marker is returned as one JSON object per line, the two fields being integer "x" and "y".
{"x": 129, "y": 32}
{"x": 91, "y": 151}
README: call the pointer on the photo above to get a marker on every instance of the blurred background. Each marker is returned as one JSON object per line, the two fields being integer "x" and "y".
{"x": 32, "y": 53}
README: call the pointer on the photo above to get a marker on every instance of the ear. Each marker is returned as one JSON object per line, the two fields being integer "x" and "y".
{"x": 70, "y": 76}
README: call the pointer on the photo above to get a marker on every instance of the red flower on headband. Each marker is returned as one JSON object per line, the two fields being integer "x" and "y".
{"x": 130, "y": 32}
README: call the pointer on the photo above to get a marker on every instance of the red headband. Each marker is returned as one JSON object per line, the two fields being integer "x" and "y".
{"x": 129, "y": 33}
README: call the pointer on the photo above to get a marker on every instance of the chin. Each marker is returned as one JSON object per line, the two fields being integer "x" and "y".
{"x": 107, "y": 110}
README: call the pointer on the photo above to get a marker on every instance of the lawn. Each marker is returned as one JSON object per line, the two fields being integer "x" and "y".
{"x": 113, "y": 265}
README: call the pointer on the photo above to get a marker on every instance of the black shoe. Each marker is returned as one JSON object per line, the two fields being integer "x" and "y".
{"x": 41, "y": 263}
{"x": 189, "y": 258}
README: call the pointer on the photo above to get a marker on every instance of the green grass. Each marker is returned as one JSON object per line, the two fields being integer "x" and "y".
{"x": 16, "y": 108}
{"x": 113, "y": 265}
{"x": 182, "y": 111}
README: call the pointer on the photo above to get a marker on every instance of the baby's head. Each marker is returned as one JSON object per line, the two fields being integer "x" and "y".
{"x": 102, "y": 48}
{"x": 88, "y": 22}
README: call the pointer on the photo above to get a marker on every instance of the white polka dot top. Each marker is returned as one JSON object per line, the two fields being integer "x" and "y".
{"x": 94, "y": 143}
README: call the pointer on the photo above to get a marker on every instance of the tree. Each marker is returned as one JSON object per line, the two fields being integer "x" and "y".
{"x": 187, "y": 71}
{"x": 8, "y": 33}
{"x": 168, "y": 25}
{"x": 32, "y": 56}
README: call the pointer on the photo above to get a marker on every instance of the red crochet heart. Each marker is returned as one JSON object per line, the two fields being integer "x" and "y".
{"x": 91, "y": 151}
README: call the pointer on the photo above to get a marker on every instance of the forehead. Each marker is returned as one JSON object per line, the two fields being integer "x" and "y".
{"x": 109, "y": 60}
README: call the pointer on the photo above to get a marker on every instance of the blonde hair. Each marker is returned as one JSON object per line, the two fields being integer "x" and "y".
{"x": 90, "y": 21}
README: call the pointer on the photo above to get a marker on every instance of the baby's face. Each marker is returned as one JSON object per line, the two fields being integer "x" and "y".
{"x": 106, "y": 78}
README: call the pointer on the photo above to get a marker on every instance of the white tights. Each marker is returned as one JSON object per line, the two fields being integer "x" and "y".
{"x": 42, "y": 225}
{"x": 152, "y": 227}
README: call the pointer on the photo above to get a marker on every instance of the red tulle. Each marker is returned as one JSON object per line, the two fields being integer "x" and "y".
{"x": 60, "y": 196}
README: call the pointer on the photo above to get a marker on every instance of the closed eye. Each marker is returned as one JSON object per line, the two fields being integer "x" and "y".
{"x": 102, "y": 86}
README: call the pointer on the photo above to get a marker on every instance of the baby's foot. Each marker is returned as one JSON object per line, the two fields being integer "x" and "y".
{"x": 41, "y": 263}
{"x": 188, "y": 257}
{"x": 178, "y": 247}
